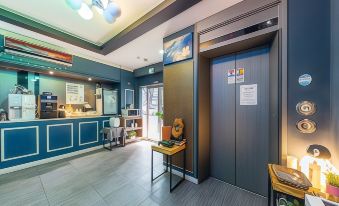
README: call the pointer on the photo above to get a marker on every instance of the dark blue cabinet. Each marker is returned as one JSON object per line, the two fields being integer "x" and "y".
{"x": 27, "y": 142}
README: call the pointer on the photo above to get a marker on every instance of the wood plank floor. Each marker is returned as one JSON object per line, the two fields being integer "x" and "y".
{"x": 120, "y": 177}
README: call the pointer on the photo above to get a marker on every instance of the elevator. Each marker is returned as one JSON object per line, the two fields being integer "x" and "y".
{"x": 240, "y": 127}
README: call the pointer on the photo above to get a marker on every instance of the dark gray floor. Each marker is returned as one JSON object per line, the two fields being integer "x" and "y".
{"x": 120, "y": 177}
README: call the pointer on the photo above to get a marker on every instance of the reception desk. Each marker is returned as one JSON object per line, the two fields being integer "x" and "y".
{"x": 29, "y": 143}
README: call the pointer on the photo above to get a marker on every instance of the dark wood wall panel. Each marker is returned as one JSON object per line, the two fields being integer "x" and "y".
{"x": 178, "y": 103}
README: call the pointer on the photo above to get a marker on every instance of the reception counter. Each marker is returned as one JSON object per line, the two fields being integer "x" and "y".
{"x": 30, "y": 143}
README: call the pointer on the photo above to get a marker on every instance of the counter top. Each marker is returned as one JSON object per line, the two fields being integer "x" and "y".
{"x": 53, "y": 119}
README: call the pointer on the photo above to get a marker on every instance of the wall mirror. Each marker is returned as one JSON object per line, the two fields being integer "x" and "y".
{"x": 129, "y": 99}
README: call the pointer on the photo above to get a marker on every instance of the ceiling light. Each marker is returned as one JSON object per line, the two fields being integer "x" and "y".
{"x": 85, "y": 12}
{"x": 107, "y": 8}
{"x": 74, "y": 4}
{"x": 51, "y": 72}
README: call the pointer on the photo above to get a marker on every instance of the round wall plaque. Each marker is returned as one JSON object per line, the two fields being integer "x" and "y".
{"x": 306, "y": 126}
{"x": 306, "y": 108}
{"x": 305, "y": 80}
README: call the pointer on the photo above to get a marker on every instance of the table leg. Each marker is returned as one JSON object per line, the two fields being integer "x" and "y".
{"x": 170, "y": 158}
{"x": 166, "y": 163}
{"x": 184, "y": 169}
{"x": 152, "y": 166}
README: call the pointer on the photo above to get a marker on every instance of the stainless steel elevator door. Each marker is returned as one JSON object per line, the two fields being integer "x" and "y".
{"x": 240, "y": 133}
{"x": 223, "y": 120}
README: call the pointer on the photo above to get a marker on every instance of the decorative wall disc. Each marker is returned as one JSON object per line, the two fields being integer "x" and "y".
{"x": 306, "y": 108}
{"x": 307, "y": 126}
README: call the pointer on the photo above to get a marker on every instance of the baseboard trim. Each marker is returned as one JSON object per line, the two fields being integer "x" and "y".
{"x": 47, "y": 160}
{"x": 187, "y": 177}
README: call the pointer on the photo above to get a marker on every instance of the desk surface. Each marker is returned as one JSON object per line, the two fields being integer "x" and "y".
{"x": 283, "y": 188}
{"x": 168, "y": 151}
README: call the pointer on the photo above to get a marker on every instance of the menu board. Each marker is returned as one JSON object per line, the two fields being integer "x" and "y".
{"x": 75, "y": 93}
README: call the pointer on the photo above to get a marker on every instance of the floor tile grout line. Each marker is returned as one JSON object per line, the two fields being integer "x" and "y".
{"x": 42, "y": 185}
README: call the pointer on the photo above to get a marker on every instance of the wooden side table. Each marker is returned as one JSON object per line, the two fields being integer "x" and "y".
{"x": 170, "y": 152}
{"x": 278, "y": 190}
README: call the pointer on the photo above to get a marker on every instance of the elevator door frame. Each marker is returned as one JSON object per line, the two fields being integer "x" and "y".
{"x": 275, "y": 83}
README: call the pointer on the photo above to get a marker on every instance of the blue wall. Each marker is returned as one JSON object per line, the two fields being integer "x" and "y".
{"x": 335, "y": 75}
{"x": 309, "y": 53}
{"x": 8, "y": 79}
{"x": 126, "y": 82}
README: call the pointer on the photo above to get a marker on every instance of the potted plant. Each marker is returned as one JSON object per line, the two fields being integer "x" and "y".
{"x": 132, "y": 134}
{"x": 332, "y": 186}
{"x": 165, "y": 130}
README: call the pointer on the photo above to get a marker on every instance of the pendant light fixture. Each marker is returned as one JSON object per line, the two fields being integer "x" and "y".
{"x": 109, "y": 9}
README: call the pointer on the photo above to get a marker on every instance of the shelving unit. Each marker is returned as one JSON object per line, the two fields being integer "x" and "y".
{"x": 129, "y": 124}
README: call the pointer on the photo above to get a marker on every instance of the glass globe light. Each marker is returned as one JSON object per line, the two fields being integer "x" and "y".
{"x": 74, "y": 4}
{"x": 85, "y": 12}
{"x": 108, "y": 17}
{"x": 113, "y": 9}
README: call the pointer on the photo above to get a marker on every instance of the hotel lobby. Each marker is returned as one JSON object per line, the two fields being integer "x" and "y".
{"x": 169, "y": 102}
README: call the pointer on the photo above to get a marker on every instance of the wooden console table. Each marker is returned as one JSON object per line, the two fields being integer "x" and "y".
{"x": 170, "y": 152}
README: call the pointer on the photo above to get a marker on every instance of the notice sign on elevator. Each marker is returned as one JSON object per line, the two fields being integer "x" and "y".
{"x": 248, "y": 94}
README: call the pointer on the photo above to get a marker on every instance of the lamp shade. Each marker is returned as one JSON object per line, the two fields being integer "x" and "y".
{"x": 74, "y": 4}
{"x": 113, "y": 9}
{"x": 85, "y": 12}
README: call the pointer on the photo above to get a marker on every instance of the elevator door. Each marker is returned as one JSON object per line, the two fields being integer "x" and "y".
{"x": 240, "y": 132}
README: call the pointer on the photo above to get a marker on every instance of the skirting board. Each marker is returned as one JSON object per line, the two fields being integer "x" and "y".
{"x": 47, "y": 160}
{"x": 187, "y": 177}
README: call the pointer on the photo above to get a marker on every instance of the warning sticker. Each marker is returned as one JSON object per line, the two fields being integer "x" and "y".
{"x": 231, "y": 76}
{"x": 240, "y": 77}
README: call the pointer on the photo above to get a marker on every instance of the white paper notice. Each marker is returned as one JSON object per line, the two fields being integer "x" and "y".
{"x": 231, "y": 76}
{"x": 75, "y": 93}
{"x": 248, "y": 94}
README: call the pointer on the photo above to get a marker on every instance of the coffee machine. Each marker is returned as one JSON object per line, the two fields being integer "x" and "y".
{"x": 48, "y": 106}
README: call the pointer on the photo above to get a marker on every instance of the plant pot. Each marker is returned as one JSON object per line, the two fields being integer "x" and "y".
{"x": 332, "y": 190}
{"x": 166, "y": 132}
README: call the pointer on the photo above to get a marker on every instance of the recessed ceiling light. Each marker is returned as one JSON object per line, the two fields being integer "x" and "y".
{"x": 51, "y": 72}
{"x": 89, "y": 79}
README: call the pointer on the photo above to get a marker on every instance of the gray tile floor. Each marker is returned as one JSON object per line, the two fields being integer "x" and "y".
{"x": 120, "y": 177}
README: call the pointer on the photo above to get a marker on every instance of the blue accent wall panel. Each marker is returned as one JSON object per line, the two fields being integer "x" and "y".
{"x": 95, "y": 69}
{"x": 309, "y": 53}
{"x": 60, "y": 136}
{"x": 20, "y": 142}
{"x": 88, "y": 132}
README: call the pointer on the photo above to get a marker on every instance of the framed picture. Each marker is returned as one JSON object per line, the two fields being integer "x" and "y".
{"x": 178, "y": 49}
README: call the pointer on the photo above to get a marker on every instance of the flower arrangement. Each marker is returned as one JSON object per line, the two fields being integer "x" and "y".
{"x": 332, "y": 186}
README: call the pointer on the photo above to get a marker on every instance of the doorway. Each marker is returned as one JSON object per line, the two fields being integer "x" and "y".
{"x": 152, "y": 108}
{"x": 244, "y": 122}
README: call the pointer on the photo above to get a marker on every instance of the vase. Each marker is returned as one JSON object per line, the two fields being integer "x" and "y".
{"x": 332, "y": 190}
{"x": 166, "y": 132}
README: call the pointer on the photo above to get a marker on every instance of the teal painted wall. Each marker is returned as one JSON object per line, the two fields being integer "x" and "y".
{"x": 8, "y": 78}
{"x": 335, "y": 77}
{"x": 57, "y": 86}
{"x": 126, "y": 82}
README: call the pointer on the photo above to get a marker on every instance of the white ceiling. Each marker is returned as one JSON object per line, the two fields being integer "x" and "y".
{"x": 146, "y": 46}
{"x": 57, "y": 14}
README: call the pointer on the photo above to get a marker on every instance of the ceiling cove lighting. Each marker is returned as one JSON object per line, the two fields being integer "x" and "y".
{"x": 107, "y": 8}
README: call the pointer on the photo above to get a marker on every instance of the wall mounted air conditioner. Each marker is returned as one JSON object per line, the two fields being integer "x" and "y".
{"x": 25, "y": 49}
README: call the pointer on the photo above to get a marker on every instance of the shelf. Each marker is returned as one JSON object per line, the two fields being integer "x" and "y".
{"x": 133, "y": 128}
{"x": 133, "y": 140}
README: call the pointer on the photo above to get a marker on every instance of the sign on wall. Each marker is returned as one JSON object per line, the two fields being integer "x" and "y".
{"x": 75, "y": 93}
{"x": 248, "y": 94}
